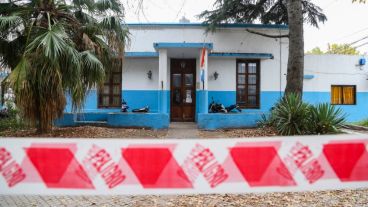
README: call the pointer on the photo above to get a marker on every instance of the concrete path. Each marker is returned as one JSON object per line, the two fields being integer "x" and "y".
{"x": 181, "y": 130}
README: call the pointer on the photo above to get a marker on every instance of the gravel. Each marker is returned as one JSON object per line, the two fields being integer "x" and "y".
{"x": 346, "y": 198}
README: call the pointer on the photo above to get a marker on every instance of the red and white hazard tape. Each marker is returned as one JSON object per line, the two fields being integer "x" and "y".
{"x": 112, "y": 166}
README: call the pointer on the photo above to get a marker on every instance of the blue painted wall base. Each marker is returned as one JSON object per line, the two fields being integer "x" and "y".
{"x": 145, "y": 120}
{"x": 213, "y": 121}
{"x": 159, "y": 103}
{"x": 141, "y": 120}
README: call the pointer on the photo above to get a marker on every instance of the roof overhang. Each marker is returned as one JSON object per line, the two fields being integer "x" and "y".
{"x": 242, "y": 55}
{"x": 229, "y": 25}
{"x": 160, "y": 45}
{"x": 140, "y": 54}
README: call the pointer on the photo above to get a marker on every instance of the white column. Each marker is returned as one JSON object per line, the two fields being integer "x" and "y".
{"x": 162, "y": 81}
{"x": 162, "y": 69}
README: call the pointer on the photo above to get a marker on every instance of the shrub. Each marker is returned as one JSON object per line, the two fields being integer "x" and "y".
{"x": 12, "y": 121}
{"x": 292, "y": 116}
{"x": 266, "y": 120}
{"x": 362, "y": 123}
{"x": 326, "y": 119}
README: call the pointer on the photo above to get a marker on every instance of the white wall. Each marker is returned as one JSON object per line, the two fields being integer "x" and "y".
{"x": 224, "y": 40}
{"x": 235, "y": 40}
{"x": 334, "y": 70}
{"x": 135, "y": 74}
{"x": 226, "y": 68}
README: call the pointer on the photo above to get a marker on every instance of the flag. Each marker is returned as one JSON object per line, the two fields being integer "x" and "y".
{"x": 202, "y": 57}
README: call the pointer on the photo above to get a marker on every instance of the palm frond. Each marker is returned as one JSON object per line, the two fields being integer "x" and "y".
{"x": 9, "y": 22}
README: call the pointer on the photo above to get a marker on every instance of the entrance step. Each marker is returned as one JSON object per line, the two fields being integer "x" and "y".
{"x": 183, "y": 125}
{"x": 183, "y": 130}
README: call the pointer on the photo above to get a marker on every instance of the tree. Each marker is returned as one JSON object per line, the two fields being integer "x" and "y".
{"x": 315, "y": 51}
{"x": 56, "y": 48}
{"x": 291, "y": 12}
{"x": 343, "y": 49}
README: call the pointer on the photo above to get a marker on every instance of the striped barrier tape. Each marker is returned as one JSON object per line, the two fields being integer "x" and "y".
{"x": 173, "y": 166}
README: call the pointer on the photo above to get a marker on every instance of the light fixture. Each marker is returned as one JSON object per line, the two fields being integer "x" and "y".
{"x": 149, "y": 74}
{"x": 215, "y": 75}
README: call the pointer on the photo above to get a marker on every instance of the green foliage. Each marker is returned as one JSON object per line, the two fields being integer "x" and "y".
{"x": 292, "y": 116}
{"x": 342, "y": 49}
{"x": 325, "y": 118}
{"x": 363, "y": 123}
{"x": 267, "y": 120}
{"x": 266, "y": 12}
{"x": 316, "y": 51}
{"x": 12, "y": 122}
{"x": 58, "y": 47}
{"x": 360, "y": 1}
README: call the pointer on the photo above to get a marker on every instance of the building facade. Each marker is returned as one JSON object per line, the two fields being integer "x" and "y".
{"x": 178, "y": 69}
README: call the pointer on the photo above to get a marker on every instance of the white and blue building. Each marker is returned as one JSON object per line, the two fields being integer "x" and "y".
{"x": 177, "y": 69}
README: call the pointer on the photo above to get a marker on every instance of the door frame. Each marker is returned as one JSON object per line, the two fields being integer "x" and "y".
{"x": 194, "y": 102}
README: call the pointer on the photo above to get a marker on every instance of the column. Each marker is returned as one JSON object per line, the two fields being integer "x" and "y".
{"x": 162, "y": 82}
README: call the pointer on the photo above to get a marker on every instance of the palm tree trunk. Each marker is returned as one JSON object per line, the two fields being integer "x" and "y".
{"x": 295, "y": 68}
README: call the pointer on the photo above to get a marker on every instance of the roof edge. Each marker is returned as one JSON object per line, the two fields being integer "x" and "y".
{"x": 227, "y": 25}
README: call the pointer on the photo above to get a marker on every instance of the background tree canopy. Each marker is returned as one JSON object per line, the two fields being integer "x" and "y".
{"x": 265, "y": 12}
{"x": 343, "y": 49}
{"x": 58, "y": 47}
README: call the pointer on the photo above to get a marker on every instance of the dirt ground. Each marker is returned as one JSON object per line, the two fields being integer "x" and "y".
{"x": 89, "y": 132}
{"x": 358, "y": 197}
{"x": 238, "y": 133}
{"x": 105, "y": 132}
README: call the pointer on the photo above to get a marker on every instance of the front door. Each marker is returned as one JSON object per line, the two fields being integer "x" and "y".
{"x": 182, "y": 95}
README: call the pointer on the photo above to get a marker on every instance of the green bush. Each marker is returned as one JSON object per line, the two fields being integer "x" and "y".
{"x": 362, "y": 123}
{"x": 12, "y": 122}
{"x": 326, "y": 119}
{"x": 292, "y": 116}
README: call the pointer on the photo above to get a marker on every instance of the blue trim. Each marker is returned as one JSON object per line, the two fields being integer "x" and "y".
{"x": 225, "y": 121}
{"x": 141, "y": 54}
{"x": 116, "y": 119}
{"x": 144, "y": 120}
{"x": 242, "y": 55}
{"x": 182, "y": 45}
{"x": 229, "y": 25}
{"x": 308, "y": 76}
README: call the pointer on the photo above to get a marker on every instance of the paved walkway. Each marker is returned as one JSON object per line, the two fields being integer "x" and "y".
{"x": 181, "y": 130}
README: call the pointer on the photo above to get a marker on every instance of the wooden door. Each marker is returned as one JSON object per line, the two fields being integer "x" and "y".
{"x": 182, "y": 95}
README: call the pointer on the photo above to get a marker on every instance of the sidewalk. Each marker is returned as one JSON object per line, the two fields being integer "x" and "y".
{"x": 181, "y": 130}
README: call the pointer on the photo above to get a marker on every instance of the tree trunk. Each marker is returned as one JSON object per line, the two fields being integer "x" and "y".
{"x": 295, "y": 68}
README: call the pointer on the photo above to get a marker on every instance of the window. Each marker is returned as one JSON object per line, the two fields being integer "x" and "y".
{"x": 247, "y": 83}
{"x": 109, "y": 94}
{"x": 343, "y": 94}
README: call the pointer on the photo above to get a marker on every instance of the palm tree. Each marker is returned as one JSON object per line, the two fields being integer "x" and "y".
{"x": 57, "y": 47}
{"x": 291, "y": 12}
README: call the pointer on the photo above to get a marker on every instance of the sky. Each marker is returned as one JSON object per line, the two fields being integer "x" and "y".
{"x": 347, "y": 22}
